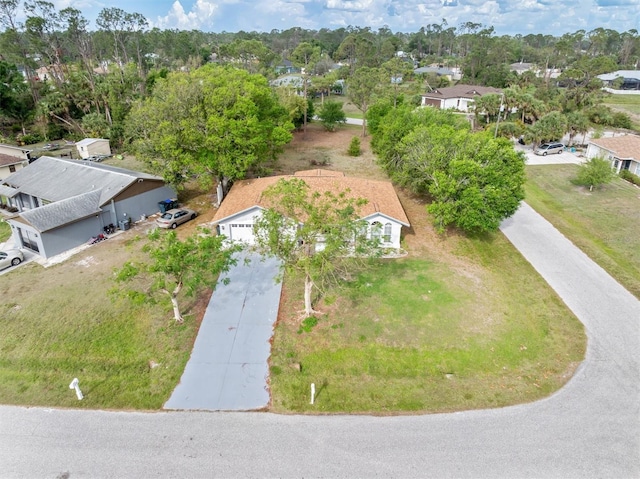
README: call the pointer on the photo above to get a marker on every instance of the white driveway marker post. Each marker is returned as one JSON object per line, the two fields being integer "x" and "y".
{"x": 74, "y": 385}
{"x": 313, "y": 392}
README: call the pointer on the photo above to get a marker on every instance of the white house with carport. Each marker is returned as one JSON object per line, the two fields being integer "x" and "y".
{"x": 244, "y": 204}
{"x": 623, "y": 151}
{"x": 62, "y": 203}
{"x": 92, "y": 147}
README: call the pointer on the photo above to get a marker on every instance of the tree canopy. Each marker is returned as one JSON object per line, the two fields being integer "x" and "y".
{"x": 319, "y": 235}
{"x": 219, "y": 123}
{"x": 175, "y": 266}
{"x": 473, "y": 180}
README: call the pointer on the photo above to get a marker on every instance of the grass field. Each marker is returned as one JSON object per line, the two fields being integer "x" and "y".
{"x": 604, "y": 223}
{"x": 628, "y": 104}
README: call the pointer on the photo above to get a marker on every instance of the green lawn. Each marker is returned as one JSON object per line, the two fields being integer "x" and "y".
{"x": 59, "y": 323}
{"x": 630, "y": 103}
{"x": 604, "y": 223}
{"x": 420, "y": 335}
{"x": 5, "y": 231}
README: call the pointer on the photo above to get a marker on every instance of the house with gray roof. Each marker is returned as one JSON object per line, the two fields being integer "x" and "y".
{"x": 62, "y": 203}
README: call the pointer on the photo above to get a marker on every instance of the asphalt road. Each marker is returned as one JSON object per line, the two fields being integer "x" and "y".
{"x": 590, "y": 428}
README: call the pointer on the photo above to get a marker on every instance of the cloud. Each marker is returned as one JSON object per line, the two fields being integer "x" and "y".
{"x": 201, "y": 13}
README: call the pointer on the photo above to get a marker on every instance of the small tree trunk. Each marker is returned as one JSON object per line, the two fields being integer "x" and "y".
{"x": 308, "y": 286}
{"x": 174, "y": 302}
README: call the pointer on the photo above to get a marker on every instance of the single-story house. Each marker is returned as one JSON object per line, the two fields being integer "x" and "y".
{"x": 458, "y": 97}
{"x": 623, "y": 152}
{"x": 93, "y": 146}
{"x": 16, "y": 151}
{"x": 63, "y": 203}
{"x": 244, "y": 204}
{"x": 630, "y": 79}
{"x": 10, "y": 164}
{"x": 438, "y": 71}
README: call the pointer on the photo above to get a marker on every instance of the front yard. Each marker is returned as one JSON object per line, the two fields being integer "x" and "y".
{"x": 457, "y": 324}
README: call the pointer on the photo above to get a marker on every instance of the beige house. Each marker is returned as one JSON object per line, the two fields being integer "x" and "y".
{"x": 93, "y": 146}
{"x": 623, "y": 152}
{"x": 10, "y": 164}
{"x": 459, "y": 97}
{"x": 244, "y": 204}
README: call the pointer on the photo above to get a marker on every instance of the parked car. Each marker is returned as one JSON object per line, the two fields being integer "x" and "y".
{"x": 173, "y": 218}
{"x": 11, "y": 257}
{"x": 548, "y": 148}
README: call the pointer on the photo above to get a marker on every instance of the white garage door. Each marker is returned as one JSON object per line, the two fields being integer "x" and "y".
{"x": 242, "y": 232}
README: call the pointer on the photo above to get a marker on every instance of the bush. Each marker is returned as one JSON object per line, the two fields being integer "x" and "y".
{"x": 595, "y": 172}
{"x": 621, "y": 120}
{"x": 331, "y": 114}
{"x": 630, "y": 177}
{"x": 29, "y": 139}
{"x": 354, "y": 147}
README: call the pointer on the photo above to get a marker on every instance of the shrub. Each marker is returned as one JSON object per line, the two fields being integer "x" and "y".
{"x": 630, "y": 177}
{"x": 595, "y": 172}
{"x": 331, "y": 114}
{"x": 354, "y": 147}
{"x": 29, "y": 139}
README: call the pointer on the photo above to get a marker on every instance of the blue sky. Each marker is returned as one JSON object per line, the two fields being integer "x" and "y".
{"x": 507, "y": 16}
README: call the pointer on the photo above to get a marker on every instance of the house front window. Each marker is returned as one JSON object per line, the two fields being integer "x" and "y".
{"x": 376, "y": 231}
{"x": 12, "y": 168}
{"x": 386, "y": 237}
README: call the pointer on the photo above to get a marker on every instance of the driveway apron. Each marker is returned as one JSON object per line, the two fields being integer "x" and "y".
{"x": 228, "y": 367}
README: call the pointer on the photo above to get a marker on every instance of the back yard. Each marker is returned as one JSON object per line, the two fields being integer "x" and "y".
{"x": 459, "y": 323}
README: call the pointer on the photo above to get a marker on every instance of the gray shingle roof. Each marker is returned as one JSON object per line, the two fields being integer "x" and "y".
{"x": 62, "y": 212}
{"x": 56, "y": 179}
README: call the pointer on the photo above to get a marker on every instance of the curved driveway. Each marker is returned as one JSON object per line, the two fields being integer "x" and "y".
{"x": 590, "y": 428}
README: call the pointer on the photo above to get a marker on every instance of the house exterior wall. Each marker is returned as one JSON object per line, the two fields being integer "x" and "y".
{"x": 5, "y": 171}
{"x": 59, "y": 240}
{"x": 240, "y": 227}
{"x": 616, "y": 163}
{"x": 134, "y": 207}
{"x": 100, "y": 147}
{"x": 391, "y": 240}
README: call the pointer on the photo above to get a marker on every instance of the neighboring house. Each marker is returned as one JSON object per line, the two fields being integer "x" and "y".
{"x": 294, "y": 81}
{"x": 438, "y": 71}
{"x": 383, "y": 212}
{"x": 630, "y": 79}
{"x": 522, "y": 67}
{"x": 63, "y": 203}
{"x": 10, "y": 164}
{"x": 93, "y": 146}
{"x": 15, "y": 151}
{"x": 286, "y": 67}
{"x": 623, "y": 152}
{"x": 458, "y": 97}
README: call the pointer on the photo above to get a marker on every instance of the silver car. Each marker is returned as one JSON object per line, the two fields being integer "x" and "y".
{"x": 173, "y": 218}
{"x": 11, "y": 257}
{"x": 548, "y": 148}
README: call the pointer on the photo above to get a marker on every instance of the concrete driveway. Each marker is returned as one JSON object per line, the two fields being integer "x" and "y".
{"x": 228, "y": 367}
{"x": 554, "y": 159}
